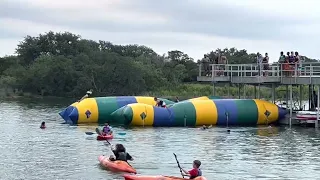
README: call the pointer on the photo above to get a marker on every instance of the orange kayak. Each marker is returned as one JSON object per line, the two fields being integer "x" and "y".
{"x": 136, "y": 177}
{"x": 106, "y": 137}
{"x": 116, "y": 166}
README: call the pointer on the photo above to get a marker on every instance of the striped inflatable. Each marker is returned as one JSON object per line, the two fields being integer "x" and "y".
{"x": 203, "y": 98}
{"x": 98, "y": 110}
{"x": 201, "y": 112}
{"x": 65, "y": 113}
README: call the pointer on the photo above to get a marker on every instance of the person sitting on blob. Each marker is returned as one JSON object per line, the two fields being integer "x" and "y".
{"x": 120, "y": 154}
{"x": 195, "y": 172}
{"x": 159, "y": 103}
{"x": 156, "y": 100}
{"x": 43, "y": 125}
{"x": 87, "y": 95}
{"x": 107, "y": 129}
{"x": 162, "y": 104}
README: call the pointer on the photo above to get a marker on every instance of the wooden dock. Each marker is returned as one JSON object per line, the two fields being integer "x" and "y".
{"x": 252, "y": 74}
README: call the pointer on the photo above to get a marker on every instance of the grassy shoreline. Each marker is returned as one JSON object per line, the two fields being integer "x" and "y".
{"x": 182, "y": 91}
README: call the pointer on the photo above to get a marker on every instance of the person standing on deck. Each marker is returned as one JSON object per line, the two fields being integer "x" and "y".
{"x": 282, "y": 60}
{"x": 259, "y": 63}
{"x": 265, "y": 62}
{"x": 298, "y": 63}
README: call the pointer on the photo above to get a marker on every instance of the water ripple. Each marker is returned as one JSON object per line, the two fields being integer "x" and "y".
{"x": 65, "y": 152}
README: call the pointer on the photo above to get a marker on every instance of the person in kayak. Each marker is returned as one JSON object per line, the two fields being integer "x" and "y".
{"x": 87, "y": 95}
{"x": 120, "y": 154}
{"x": 107, "y": 130}
{"x": 195, "y": 172}
{"x": 43, "y": 125}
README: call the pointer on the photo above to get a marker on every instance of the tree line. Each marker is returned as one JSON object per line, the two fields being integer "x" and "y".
{"x": 66, "y": 65}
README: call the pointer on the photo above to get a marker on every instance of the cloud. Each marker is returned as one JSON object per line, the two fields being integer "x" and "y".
{"x": 192, "y": 26}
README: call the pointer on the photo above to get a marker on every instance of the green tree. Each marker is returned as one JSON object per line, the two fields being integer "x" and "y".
{"x": 64, "y": 64}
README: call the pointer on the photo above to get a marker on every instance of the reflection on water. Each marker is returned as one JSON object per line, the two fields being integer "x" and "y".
{"x": 66, "y": 152}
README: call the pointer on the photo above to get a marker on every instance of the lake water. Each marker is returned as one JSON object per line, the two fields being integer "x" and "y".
{"x": 66, "y": 152}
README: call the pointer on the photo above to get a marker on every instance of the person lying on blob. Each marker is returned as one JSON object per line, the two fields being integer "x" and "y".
{"x": 43, "y": 125}
{"x": 159, "y": 103}
{"x": 107, "y": 129}
{"x": 204, "y": 127}
{"x": 162, "y": 104}
{"x": 120, "y": 154}
{"x": 87, "y": 95}
{"x": 195, "y": 172}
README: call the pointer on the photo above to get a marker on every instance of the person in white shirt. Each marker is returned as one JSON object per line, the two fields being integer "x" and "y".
{"x": 88, "y": 94}
{"x": 259, "y": 63}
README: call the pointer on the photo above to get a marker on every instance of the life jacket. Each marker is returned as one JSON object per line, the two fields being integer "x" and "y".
{"x": 106, "y": 129}
{"x": 199, "y": 174}
{"x": 122, "y": 156}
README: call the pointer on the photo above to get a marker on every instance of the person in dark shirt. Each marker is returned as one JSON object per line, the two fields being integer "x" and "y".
{"x": 159, "y": 103}
{"x": 43, "y": 125}
{"x": 120, "y": 154}
{"x": 177, "y": 99}
{"x": 195, "y": 172}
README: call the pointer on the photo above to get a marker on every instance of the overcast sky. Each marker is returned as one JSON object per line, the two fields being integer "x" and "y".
{"x": 193, "y": 26}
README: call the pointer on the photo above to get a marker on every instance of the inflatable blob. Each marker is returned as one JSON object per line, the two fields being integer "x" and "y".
{"x": 65, "y": 113}
{"x": 224, "y": 112}
{"x": 203, "y": 98}
{"x": 199, "y": 98}
{"x": 99, "y": 109}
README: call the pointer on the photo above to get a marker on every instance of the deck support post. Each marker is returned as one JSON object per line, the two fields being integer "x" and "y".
{"x": 229, "y": 91}
{"x": 290, "y": 105}
{"x": 258, "y": 91}
{"x": 255, "y": 91}
{"x": 213, "y": 89}
{"x": 317, "y": 121}
{"x": 273, "y": 93}
{"x": 300, "y": 97}
{"x": 239, "y": 89}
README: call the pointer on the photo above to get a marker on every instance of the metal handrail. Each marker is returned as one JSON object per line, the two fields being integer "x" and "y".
{"x": 306, "y": 69}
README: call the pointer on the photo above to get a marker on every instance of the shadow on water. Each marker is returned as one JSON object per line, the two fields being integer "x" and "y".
{"x": 66, "y": 152}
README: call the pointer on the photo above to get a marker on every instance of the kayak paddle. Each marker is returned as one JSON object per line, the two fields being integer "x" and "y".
{"x": 89, "y": 133}
{"x": 175, "y": 156}
{"x": 98, "y": 131}
{"x": 108, "y": 142}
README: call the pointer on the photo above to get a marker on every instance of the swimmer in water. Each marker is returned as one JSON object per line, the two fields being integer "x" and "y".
{"x": 43, "y": 125}
{"x": 204, "y": 127}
